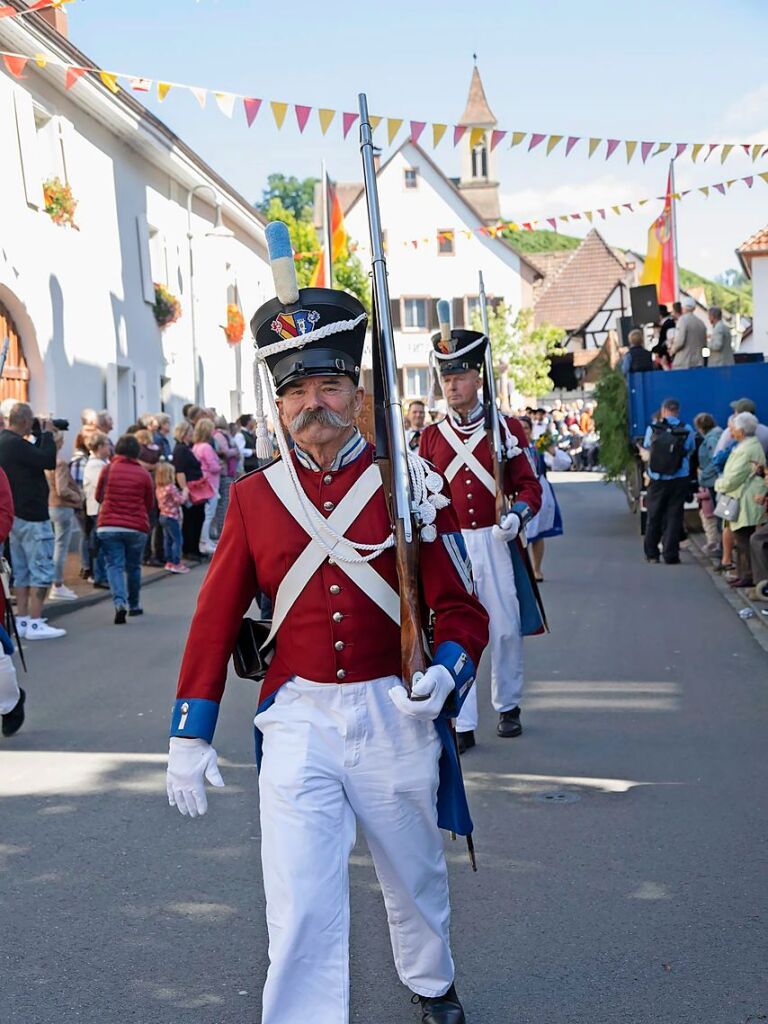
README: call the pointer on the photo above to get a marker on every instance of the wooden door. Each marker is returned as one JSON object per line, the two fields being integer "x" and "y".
{"x": 15, "y": 379}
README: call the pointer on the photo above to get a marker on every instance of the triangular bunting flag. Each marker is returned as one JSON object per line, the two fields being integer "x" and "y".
{"x": 517, "y": 138}
{"x": 611, "y": 148}
{"x": 725, "y": 152}
{"x": 417, "y": 127}
{"x": 438, "y": 131}
{"x": 14, "y": 64}
{"x": 536, "y": 138}
{"x": 593, "y": 144}
{"x": 302, "y": 116}
{"x": 110, "y": 80}
{"x": 720, "y": 188}
{"x": 630, "y": 147}
{"x": 712, "y": 147}
{"x": 564, "y": 216}
{"x": 225, "y": 102}
{"x": 628, "y": 206}
{"x": 458, "y": 133}
{"x": 749, "y": 180}
{"x": 476, "y": 136}
{"x": 764, "y": 176}
{"x": 325, "y": 115}
{"x": 72, "y": 76}
{"x": 41, "y": 60}
{"x": 552, "y": 142}
{"x": 745, "y": 147}
{"x": 575, "y": 216}
{"x": 496, "y": 137}
{"x": 572, "y": 140}
{"x": 680, "y": 148}
{"x": 163, "y": 88}
{"x": 756, "y": 150}
{"x": 528, "y": 226}
{"x": 141, "y": 84}
{"x": 393, "y": 127}
{"x": 616, "y": 210}
{"x": 645, "y": 150}
{"x": 279, "y": 110}
{"x": 201, "y": 95}
{"x": 732, "y": 182}
{"x": 697, "y": 148}
{"x": 375, "y": 120}
{"x": 588, "y": 215}
{"x": 347, "y": 120}
{"x": 553, "y": 222}
{"x": 602, "y": 213}
{"x": 251, "y": 105}
{"x": 663, "y": 146}
{"x": 642, "y": 202}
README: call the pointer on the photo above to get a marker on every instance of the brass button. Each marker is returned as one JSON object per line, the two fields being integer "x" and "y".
{"x": 327, "y": 479}
{"x": 337, "y": 616}
{"x": 339, "y": 645}
{"x": 341, "y": 674}
{"x": 473, "y": 525}
{"x": 335, "y": 588}
{"x": 328, "y": 505}
{"x": 467, "y": 482}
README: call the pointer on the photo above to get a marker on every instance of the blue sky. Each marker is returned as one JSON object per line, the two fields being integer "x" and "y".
{"x": 687, "y": 71}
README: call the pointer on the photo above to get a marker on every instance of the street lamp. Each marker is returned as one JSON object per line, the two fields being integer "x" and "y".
{"x": 219, "y": 230}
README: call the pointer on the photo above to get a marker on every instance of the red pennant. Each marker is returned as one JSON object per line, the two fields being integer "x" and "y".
{"x": 15, "y": 65}
{"x": 712, "y": 147}
{"x": 536, "y": 138}
{"x": 680, "y": 148}
{"x": 7, "y": 12}
{"x": 252, "y": 107}
{"x": 458, "y": 133}
{"x": 417, "y": 127}
{"x": 612, "y": 144}
{"x": 720, "y": 187}
{"x": 527, "y": 226}
{"x": 628, "y": 206}
{"x": 749, "y": 181}
{"x": 575, "y": 216}
{"x": 38, "y": 4}
{"x": 553, "y": 222}
{"x": 602, "y": 213}
{"x": 746, "y": 147}
{"x": 73, "y": 75}
{"x": 645, "y": 149}
{"x": 302, "y": 115}
{"x": 572, "y": 140}
{"x": 347, "y": 121}
{"x": 496, "y": 137}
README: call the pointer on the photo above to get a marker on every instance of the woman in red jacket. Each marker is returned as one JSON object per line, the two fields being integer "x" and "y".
{"x": 126, "y": 498}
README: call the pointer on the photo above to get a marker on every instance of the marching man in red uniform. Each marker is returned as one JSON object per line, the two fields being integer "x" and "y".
{"x": 340, "y": 741}
{"x": 458, "y": 447}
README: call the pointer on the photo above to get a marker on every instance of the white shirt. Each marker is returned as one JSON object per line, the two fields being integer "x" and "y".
{"x": 91, "y": 474}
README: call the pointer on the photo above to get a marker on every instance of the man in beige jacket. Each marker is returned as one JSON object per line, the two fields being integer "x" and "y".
{"x": 720, "y": 345}
{"x": 687, "y": 346}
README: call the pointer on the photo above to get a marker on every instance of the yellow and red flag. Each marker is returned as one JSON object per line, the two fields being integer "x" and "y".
{"x": 660, "y": 260}
{"x": 338, "y": 235}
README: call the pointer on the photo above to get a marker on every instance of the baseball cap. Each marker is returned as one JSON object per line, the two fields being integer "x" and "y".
{"x": 744, "y": 405}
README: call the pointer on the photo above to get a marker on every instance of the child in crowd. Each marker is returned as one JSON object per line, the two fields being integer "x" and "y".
{"x": 170, "y": 499}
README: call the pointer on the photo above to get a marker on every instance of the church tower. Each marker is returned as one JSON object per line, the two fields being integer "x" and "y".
{"x": 478, "y": 177}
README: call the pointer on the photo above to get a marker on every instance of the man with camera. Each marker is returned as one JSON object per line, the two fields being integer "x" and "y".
{"x": 31, "y": 539}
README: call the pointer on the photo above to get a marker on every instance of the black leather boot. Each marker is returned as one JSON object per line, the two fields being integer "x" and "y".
{"x": 465, "y": 740}
{"x": 14, "y": 720}
{"x": 509, "y": 724}
{"x": 444, "y": 1009}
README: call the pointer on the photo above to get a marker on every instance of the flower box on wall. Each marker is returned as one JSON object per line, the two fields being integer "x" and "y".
{"x": 167, "y": 308}
{"x": 60, "y": 204}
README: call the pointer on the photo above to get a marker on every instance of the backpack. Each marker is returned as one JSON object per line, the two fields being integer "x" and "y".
{"x": 668, "y": 448}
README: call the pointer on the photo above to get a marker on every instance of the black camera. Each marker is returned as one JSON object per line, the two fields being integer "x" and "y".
{"x": 61, "y": 424}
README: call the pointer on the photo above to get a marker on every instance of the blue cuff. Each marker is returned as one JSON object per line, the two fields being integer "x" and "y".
{"x": 6, "y": 642}
{"x": 453, "y": 657}
{"x": 521, "y": 509}
{"x": 194, "y": 718}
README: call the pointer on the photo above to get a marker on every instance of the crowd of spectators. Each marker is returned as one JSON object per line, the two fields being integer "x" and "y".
{"x": 681, "y": 341}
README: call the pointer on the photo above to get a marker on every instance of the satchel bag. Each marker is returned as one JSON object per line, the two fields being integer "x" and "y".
{"x": 249, "y": 660}
{"x": 200, "y": 490}
{"x": 727, "y": 508}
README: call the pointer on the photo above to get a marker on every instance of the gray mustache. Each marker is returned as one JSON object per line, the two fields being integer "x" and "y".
{"x": 323, "y": 417}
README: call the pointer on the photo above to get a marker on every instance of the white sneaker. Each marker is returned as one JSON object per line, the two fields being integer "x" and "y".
{"x": 38, "y": 629}
{"x": 21, "y": 627}
{"x": 60, "y": 592}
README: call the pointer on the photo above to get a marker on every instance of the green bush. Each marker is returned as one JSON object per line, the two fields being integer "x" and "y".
{"x": 611, "y": 422}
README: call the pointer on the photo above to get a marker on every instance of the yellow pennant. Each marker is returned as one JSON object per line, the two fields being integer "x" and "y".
{"x": 731, "y": 183}
{"x": 393, "y": 127}
{"x": 438, "y": 131}
{"x": 278, "y": 112}
{"x": 467, "y": 234}
{"x": 109, "y": 80}
{"x": 476, "y": 136}
{"x": 756, "y": 151}
{"x": 704, "y": 190}
{"x": 676, "y": 195}
{"x": 517, "y": 138}
{"x": 764, "y": 176}
{"x": 564, "y": 216}
{"x": 725, "y": 153}
{"x": 662, "y": 147}
{"x": 593, "y": 144}
{"x": 513, "y": 227}
{"x": 631, "y": 147}
{"x": 41, "y": 60}
{"x": 163, "y": 88}
{"x": 588, "y": 215}
{"x": 616, "y": 210}
{"x": 552, "y": 141}
{"x": 697, "y": 148}
{"x": 325, "y": 116}
{"x": 374, "y": 121}
{"x": 642, "y": 202}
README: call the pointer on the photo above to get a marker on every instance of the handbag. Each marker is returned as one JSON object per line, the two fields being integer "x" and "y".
{"x": 249, "y": 660}
{"x": 200, "y": 490}
{"x": 727, "y": 508}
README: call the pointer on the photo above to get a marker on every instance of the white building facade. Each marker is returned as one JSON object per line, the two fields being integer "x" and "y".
{"x": 78, "y": 303}
{"x": 753, "y": 255}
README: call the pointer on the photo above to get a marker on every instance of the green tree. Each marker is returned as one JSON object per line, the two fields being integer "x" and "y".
{"x": 521, "y": 351}
{"x": 611, "y": 414}
{"x": 296, "y": 196}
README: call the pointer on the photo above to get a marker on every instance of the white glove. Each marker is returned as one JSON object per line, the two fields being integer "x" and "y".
{"x": 436, "y": 685}
{"x": 508, "y": 528}
{"x": 190, "y": 761}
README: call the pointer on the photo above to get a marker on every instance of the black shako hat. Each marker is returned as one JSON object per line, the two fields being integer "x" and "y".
{"x": 312, "y": 332}
{"x": 449, "y": 354}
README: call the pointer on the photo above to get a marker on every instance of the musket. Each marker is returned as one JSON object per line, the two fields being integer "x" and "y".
{"x": 492, "y": 426}
{"x": 391, "y": 450}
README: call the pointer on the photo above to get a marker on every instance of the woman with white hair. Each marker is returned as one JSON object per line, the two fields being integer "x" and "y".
{"x": 742, "y": 482}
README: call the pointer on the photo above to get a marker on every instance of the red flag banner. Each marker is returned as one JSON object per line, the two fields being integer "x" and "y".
{"x": 347, "y": 121}
{"x": 302, "y": 116}
{"x": 73, "y": 75}
{"x": 252, "y": 107}
{"x": 15, "y": 65}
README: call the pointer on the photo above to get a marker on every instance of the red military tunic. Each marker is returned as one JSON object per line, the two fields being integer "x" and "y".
{"x": 333, "y": 632}
{"x": 473, "y": 493}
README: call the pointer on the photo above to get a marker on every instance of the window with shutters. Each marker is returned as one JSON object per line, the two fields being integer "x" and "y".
{"x": 446, "y": 242}
{"x": 411, "y": 177}
{"x": 158, "y": 256}
{"x": 15, "y": 380}
{"x": 51, "y": 159}
{"x": 415, "y": 314}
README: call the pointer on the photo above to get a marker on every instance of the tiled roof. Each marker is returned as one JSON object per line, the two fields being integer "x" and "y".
{"x": 477, "y": 113}
{"x": 756, "y": 245}
{"x": 548, "y": 264}
{"x": 581, "y": 286}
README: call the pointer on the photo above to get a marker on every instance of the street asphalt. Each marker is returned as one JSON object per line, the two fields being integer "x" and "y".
{"x": 621, "y": 840}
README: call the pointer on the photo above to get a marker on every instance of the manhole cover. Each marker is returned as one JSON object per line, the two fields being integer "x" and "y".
{"x": 560, "y": 796}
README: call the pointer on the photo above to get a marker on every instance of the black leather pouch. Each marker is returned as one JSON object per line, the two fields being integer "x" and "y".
{"x": 249, "y": 660}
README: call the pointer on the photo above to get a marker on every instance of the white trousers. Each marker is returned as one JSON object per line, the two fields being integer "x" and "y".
{"x": 495, "y": 582}
{"x": 334, "y": 755}
{"x": 9, "y": 687}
